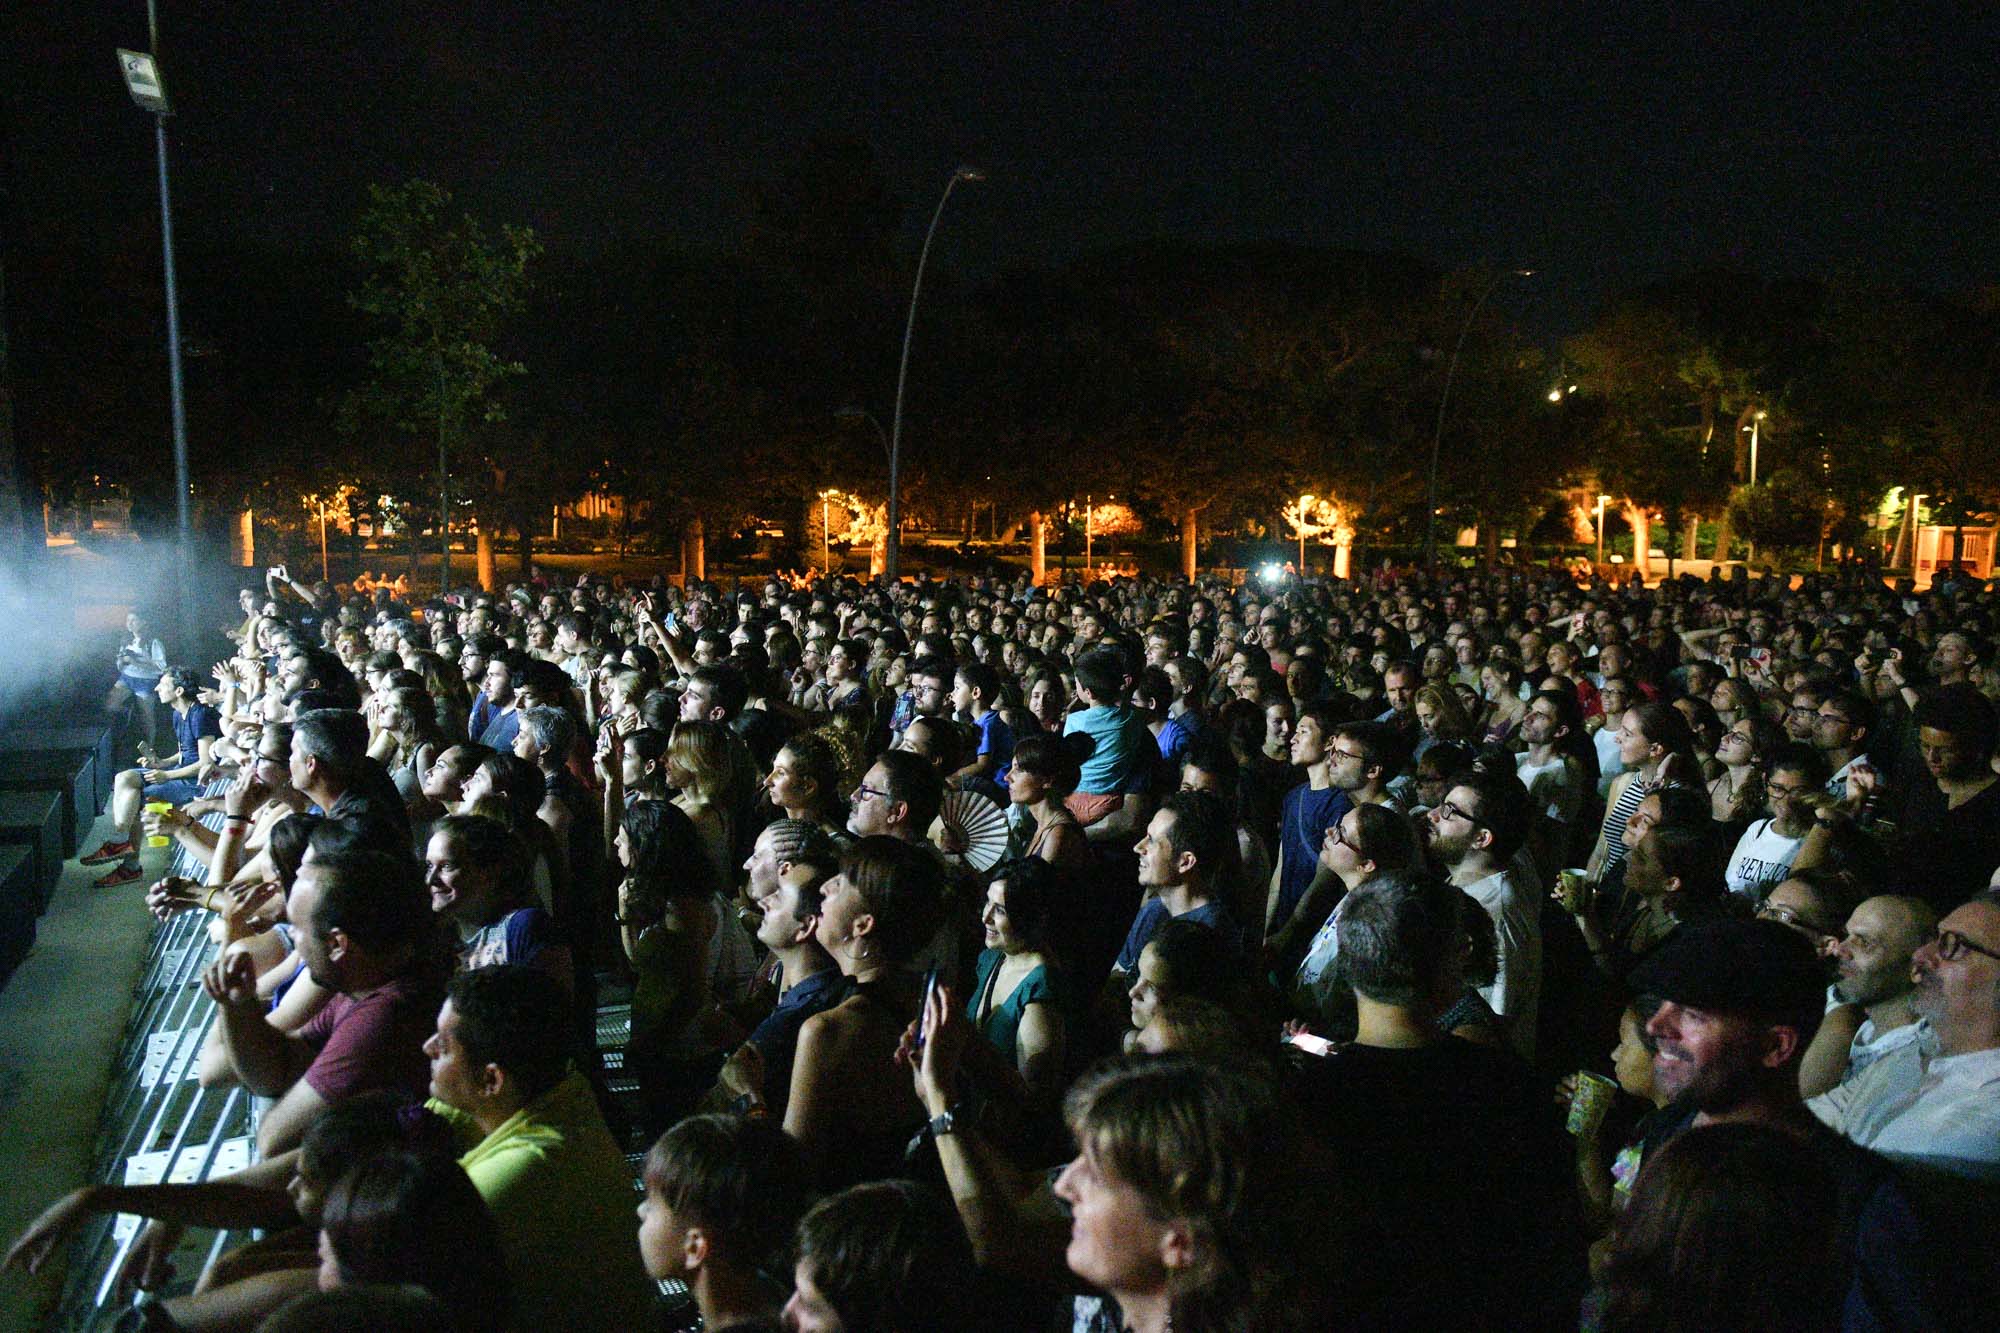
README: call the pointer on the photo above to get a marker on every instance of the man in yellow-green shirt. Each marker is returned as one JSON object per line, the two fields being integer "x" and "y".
{"x": 538, "y": 1151}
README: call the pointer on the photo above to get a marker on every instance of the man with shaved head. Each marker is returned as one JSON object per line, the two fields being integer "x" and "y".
{"x": 1875, "y": 1014}
{"x": 1935, "y": 1102}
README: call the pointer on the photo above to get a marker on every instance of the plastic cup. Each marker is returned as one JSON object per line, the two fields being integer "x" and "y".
{"x": 1572, "y": 889}
{"x": 160, "y": 809}
{"x": 1594, "y": 1094}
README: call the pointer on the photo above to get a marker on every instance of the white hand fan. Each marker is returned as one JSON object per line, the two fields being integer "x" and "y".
{"x": 980, "y": 822}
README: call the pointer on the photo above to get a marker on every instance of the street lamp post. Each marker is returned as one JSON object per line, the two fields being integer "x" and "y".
{"x": 893, "y": 543}
{"x": 1601, "y": 498}
{"x": 1755, "y": 421}
{"x": 143, "y": 82}
{"x": 1444, "y": 400}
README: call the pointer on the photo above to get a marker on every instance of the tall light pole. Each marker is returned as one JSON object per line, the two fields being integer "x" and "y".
{"x": 1444, "y": 400}
{"x": 143, "y": 82}
{"x": 1601, "y": 498}
{"x": 1754, "y": 422}
{"x": 892, "y": 563}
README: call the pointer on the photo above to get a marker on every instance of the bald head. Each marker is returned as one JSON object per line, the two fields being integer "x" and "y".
{"x": 1874, "y": 953}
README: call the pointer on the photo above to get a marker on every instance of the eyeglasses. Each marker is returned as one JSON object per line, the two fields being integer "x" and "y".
{"x": 1787, "y": 792}
{"x": 1450, "y": 811}
{"x": 1347, "y": 754}
{"x": 1952, "y": 946}
{"x": 865, "y": 792}
{"x": 1785, "y": 916}
{"x": 1335, "y": 834}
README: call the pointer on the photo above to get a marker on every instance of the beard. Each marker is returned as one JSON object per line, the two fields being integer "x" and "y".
{"x": 1449, "y": 849}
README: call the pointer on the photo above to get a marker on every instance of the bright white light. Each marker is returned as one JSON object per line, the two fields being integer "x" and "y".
{"x": 1272, "y": 572}
{"x": 1555, "y": 395}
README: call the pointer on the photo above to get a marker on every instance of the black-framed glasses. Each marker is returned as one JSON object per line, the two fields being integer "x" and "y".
{"x": 1952, "y": 946}
{"x": 1336, "y": 834}
{"x": 865, "y": 792}
{"x": 1450, "y": 811}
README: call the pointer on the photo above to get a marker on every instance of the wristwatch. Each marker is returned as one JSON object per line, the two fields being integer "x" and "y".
{"x": 945, "y": 1122}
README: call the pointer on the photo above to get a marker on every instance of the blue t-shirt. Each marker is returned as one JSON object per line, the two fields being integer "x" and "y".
{"x": 1175, "y": 734}
{"x": 200, "y": 720}
{"x": 1303, "y": 821}
{"x": 501, "y": 731}
{"x": 997, "y": 739}
{"x": 1123, "y": 752}
{"x": 1154, "y": 915}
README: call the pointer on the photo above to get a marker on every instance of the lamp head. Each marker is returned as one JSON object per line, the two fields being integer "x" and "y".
{"x": 968, "y": 174}
{"x": 143, "y": 81}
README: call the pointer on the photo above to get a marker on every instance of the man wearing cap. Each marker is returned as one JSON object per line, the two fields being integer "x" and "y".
{"x": 1935, "y": 1102}
{"x": 1741, "y": 1001}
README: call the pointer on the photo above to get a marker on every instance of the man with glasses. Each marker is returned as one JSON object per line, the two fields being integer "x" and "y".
{"x": 898, "y": 797}
{"x": 1935, "y": 1102}
{"x": 1840, "y": 733}
{"x": 1615, "y": 695}
{"x": 1767, "y": 849}
{"x": 1474, "y": 834}
{"x": 1803, "y": 714}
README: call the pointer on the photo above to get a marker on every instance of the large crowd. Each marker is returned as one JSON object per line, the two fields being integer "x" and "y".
{"x": 1484, "y": 950}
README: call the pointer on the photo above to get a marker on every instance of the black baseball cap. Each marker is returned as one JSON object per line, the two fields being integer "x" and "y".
{"x": 1761, "y": 968}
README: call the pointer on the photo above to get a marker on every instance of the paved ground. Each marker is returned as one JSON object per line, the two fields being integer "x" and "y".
{"x": 60, "y": 1020}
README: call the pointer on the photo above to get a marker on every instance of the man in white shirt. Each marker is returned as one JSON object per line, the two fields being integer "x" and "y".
{"x": 1936, "y": 1103}
{"x": 1614, "y": 693}
{"x": 1840, "y": 732}
{"x": 1874, "y": 957}
{"x": 1474, "y": 833}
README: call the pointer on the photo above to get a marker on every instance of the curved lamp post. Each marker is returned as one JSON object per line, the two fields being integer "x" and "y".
{"x": 893, "y": 545}
{"x": 1444, "y": 400}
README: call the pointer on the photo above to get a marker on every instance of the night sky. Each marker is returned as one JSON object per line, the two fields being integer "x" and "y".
{"x": 1602, "y": 144}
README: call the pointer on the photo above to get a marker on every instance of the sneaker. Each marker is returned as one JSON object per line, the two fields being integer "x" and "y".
{"x": 109, "y": 852}
{"x": 125, "y": 874}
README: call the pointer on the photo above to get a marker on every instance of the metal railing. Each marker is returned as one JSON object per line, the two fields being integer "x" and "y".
{"x": 158, "y": 1123}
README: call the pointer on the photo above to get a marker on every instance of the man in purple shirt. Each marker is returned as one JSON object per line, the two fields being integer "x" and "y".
{"x": 363, "y": 927}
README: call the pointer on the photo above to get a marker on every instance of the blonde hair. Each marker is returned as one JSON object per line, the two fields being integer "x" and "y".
{"x": 1449, "y": 720}
{"x": 701, "y": 750}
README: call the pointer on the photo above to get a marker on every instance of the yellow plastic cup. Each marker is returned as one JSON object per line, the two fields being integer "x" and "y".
{"x": 159, "y": 808}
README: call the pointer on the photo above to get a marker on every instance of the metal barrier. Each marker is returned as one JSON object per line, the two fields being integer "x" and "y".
{"x": 158, "y": 1122}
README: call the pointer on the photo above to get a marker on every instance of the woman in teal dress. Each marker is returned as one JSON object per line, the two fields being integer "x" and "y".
{"x": 1016, "y": 999}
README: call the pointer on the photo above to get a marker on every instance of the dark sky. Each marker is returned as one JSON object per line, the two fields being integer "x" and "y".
{"x": 1602, "y": 144}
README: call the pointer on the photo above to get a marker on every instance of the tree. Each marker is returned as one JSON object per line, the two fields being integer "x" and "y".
{"x": 445, "y": 292}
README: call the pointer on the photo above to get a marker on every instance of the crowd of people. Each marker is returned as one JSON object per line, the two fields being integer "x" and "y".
{"x": 1487, "y": 950}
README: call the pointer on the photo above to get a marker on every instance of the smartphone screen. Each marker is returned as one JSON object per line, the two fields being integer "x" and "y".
{"x": 924, "y": 1014}
{"x": 1311, "y": 1044}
